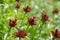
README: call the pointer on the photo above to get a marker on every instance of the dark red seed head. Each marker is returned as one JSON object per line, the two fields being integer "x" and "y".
{"x": 27, "y": 9}
{"x": 45, "y": 17}
{"x": 12, "y": 23}
{"x": 21, "y": 34}
{"x": 18, "y": 0}
{"x": 55, "y": 10}
{"x": 17, "y": 6}
{"x": 56, "y": 33}
{"x": 32, "y": 21}
{"x": 34, "y": 17}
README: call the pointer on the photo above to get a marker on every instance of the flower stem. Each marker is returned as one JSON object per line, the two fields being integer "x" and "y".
{"x": 40, "y": 29}
{"x": 19, "y": 38}
{"x": 23, "y": 18}
{"x": 32, "y": 36}
{"x": 8, "y": 33}
{"x": 53, "y": 38}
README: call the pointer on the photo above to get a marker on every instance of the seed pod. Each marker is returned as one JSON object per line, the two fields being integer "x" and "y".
{"x": 12, "y": 23}
{"x": 56, "y": 33}
{"x": 32, "y": 21}
{"x": 27, "y": 9}
{"x": 17, "y": 6}
{"x": 55, "y": 10}
{"x": 17, "y": 0}
{"x": 16, "y": 19}
{"x": 21, "y": 34}
{"x": 45, "y": 17}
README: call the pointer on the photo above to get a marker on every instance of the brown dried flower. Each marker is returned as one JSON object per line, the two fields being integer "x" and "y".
{"x": 55, "y": 10}
{"x": 18, "y": 0}
{"x": 56, "y": 33}
{"x": 45, "y": 17}
{"x": 27, "y": 9}
{"x": 12, "y": 23}
{"x": 32, "y": 21}
{"x": 17, "y": 6}
{"x": 21, "y": 34}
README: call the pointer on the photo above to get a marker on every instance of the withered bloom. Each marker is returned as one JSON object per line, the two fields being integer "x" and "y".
{"x": 55, "y": 10}
{"x": 17, "y": 6}
{"x": 27, "y": 9}
{"x": 12, "y": 23}
{"x": 18, "y": 0}
{"x": 56, "y": 33}
{"x": 32, "y": 21}
{"x": 21, "y": 34}
{"x": 45, "y": 17}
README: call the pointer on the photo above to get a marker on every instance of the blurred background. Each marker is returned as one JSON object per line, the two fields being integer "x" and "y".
{"x": 8, "y": 10}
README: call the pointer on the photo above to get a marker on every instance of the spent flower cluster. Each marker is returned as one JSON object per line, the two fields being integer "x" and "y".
{"x": 21, "y": 34}
{"x": 12, "y": 23}
{"x": 56, "y": 33}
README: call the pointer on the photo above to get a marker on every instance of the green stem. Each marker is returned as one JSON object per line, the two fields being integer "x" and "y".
{"x": 27, "y": 27}
{"x": 29, "y": 2}
{"x": 32, "y": 33}
{"x": 23, "y": 18}
{"x": 17, "y": 16}
{"x": 40, "y": 29}
{"x": 53, "y": 17}
{"x": 53, "y": 38}
{"x": 54, "y": 20}
{"x": 17, "y": 11}
{"x": 19, "y": 38}
{"x": 8, "y": 33}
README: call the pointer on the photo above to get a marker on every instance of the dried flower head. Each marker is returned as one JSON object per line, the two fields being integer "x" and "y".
{"x": 18, "y": 0}
{"x": 32, "y": 21}
{"x": 45, "y": 17}
{"x": 55, "y": 10}
{"x": 27, "y": 9}
{"x": 21, "y": 34}
{"x": 12, "y": 23}
{"x": 17, "y": 6}
{"x": 56, "y": 33}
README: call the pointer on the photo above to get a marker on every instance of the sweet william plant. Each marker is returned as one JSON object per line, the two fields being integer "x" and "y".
{"x": 30, "y": 20}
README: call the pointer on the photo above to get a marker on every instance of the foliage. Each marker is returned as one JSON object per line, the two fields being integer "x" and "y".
{"x": 40, "y": 31}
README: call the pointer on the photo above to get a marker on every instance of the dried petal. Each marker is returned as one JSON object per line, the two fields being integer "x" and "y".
{"x": 27, "y": 9}
{"x": 21, "y": 34}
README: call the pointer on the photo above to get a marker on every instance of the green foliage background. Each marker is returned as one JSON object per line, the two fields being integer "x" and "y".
{"x": 9, "y": 11}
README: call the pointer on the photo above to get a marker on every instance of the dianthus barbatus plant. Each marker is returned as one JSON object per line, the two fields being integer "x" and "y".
{"x": 27, "y": 9}
{"x": 18, "y": 0}
{"x": 56, "y": 33}
{"x": 17, "y": 6}
{"x": 45, "y": 17}
{"x": 55, "y": 10}
{"x": 12, "y": 23}
{"x": 21, "y": 34}
{"x": 32, "y": 21}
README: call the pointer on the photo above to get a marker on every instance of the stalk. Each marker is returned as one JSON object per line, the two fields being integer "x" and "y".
{"x": 8, "y": 33}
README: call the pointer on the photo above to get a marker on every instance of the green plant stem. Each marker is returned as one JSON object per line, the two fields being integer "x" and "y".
{"x": 40, "y": 29}
{"x": 27, "y": 27}
{"x": 8, "y": 33}
{"x": 29, "y": 2}
{"x": 32, "y": 34}
{"x": 16, "y": 16}
{"x": 19, "y": 38}
{"x": 53, "y": 38}
{"x": 23, "y": 18}
{"x": 53, "y": 17}
{"x": 53, "y": 20}
{"x": 17, "y": 12}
